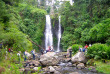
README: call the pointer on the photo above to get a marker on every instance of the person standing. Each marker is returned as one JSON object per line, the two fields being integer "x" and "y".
{"x": 33, "y": 53}
{"x": 52, "y": 48}
{"x": 18, "y": 54}
{"x": 25, "y": 56}
{"x": 42, "y": 51}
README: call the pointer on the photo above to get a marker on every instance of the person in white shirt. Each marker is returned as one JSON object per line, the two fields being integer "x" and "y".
{"x": 18, "y": 54}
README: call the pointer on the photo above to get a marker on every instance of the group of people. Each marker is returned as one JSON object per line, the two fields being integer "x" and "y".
{"x": 85, "y": 48}
{"x": 25, "y": 55}
{"x": 49, "y": 49}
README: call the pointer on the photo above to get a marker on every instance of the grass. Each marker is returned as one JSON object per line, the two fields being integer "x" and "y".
{"x": 103, "y": 67}
{"x": 10, "y": 65}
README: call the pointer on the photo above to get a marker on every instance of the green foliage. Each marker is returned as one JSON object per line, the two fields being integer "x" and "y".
{"x": 33, "y": 22}
{"x": 75, "y": 47}
{"x": 101, "y": 31}
{"x": 98, "y": 51}
{"x": 18, "y": 21}
{"x": 86, "y": 22}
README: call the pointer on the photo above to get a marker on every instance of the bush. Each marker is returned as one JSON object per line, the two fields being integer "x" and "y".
{"x": 98, "y": 51}
{"x": 75, "y": 48}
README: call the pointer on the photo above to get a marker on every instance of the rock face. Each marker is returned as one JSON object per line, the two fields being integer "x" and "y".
{"x": 49, "y": 59}
{"x": 79, "y": 57}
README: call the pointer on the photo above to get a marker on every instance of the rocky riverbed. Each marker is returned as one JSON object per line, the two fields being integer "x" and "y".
{"x": 57, "y": 63}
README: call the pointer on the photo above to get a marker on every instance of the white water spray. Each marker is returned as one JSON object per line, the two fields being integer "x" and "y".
{"x": 59, "y": 35}
{"x": 71, "y": 2}
{"x": 48, "y": 33}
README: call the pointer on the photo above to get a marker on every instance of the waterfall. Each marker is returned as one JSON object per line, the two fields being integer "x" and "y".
{"x": 48, "y": 33}
{"x": 71, "y": 2}
{"x": 59, "y": 34}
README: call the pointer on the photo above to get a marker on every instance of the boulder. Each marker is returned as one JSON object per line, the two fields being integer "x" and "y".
{"x": 79, "y": 57}
{"x": 51, "y": 69}
{"x": 49, "y": 59}
{"x": 81, "y": 66}
{"x": 74, "y": 65}
{"x": 35, "y": 63}
{"x": 35, "y": 68}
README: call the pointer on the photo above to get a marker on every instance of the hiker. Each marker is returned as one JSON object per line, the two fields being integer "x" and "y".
{"x": 18, "y": 54}
{"x": 80, "y": 49}
{"x": 84, "y": 49}
{"x": 49, "y": 49}
{"x": 9, "y": 49}
{"x": 1, "y": 44}
{"x": 42, "y": 51}
{"x": 52, "y": 48}
{"x": 86, "y": 46}
{"x": 25, "y": 55}
{"x": 68, "y": 52}
{"x": 33, "y": 53}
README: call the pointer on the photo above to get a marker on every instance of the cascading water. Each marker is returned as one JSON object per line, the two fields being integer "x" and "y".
{"x": 48, "y": 33}
{"x": 71, "y": 2}
{"x": 59, "y": 35}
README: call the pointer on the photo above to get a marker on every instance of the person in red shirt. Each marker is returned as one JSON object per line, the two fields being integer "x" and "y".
{"x": 9, "y": 50}
{"x": 86, "y": 46}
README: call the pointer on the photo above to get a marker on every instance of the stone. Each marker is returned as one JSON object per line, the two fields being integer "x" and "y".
{"x": 80, "y": 66}
{"x": 35, "y": 68}
{"x": 74, "y": 65}
{"x": 51, "y": 69}
{"x": 74, "y": 73}
{"x": 49, "y": 59}
{"x": 35, "y": 63}
{"x": 69, "y": 64}
{"x": 93, "y": 69}
{"x": 57, "y": 72}
{"x": 79, "y": 57}
{"x": 67, "y": 59}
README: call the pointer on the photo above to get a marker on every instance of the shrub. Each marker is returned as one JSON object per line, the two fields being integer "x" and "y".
{"x": 75, "y": 48}
{"x": 98, "y": 51}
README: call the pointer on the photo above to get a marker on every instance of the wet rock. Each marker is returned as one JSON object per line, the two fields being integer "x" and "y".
{"x": 57, "y": 68}
{"x": 79, "y": 57}
{"x": 93, "y": 69}
{"x": 81, "y": 66}
{"x": 74, "y": 73}
{"x": 67, "y": 59}
{"x": 46, "y": 69}
{"x": 57, "y": 72}
{"x": 74, "y": 65}
{"x": 69, "y": 64}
